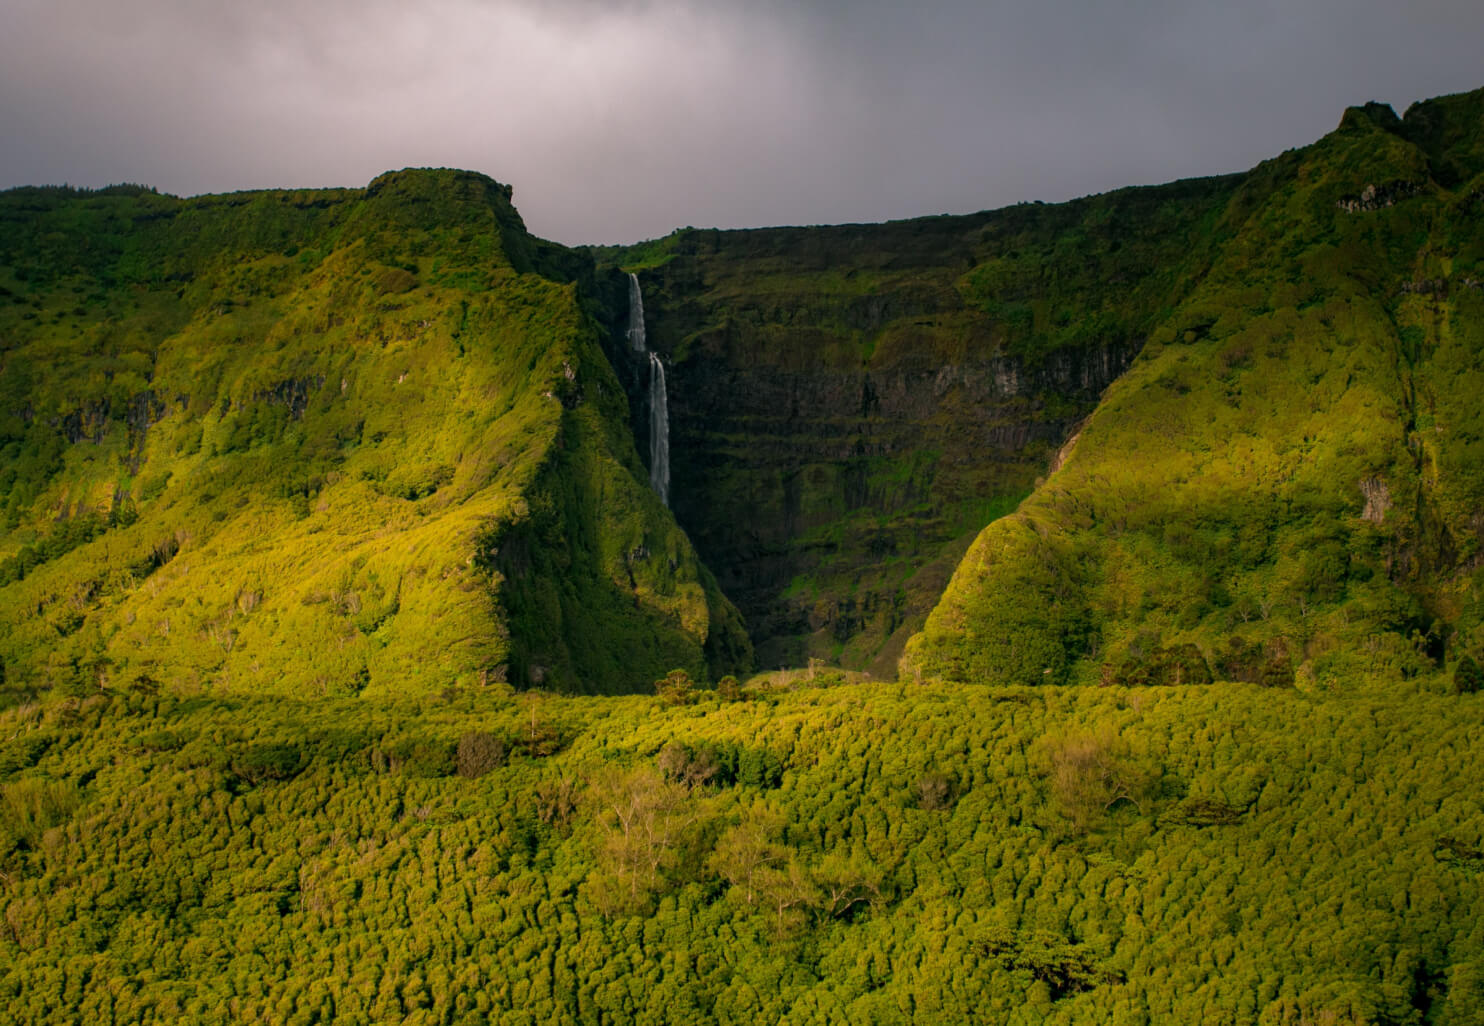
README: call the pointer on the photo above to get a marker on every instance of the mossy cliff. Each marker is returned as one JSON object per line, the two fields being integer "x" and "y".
{"x": 383, "y": 438}
{"x": 1289, "y": 481}
{"x": 323, "y": 442}
{"x": 851, "y": 405}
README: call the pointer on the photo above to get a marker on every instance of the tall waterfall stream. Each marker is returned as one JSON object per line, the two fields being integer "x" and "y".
{"x": 659, "y": 403}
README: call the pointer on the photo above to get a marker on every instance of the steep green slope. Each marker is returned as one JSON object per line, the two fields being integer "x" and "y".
{"x": 322, "y": 442}
{"x": 864, "y": 854}
{"x": 1290, "y": 475}
{"x": 851, "y": 404}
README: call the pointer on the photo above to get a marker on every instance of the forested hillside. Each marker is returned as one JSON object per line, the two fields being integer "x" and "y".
{"x": 1288, "y": 480}
{"x": 322, "y": 442}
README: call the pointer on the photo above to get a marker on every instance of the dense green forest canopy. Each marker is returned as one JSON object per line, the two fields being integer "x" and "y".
{"x": 859, "y": 853}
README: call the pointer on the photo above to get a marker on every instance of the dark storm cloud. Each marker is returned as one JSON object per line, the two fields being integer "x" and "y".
{"x": 617, "y": 121}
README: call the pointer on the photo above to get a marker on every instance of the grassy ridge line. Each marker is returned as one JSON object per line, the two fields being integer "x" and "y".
{"x": 1279, "y": 858}
{"x": 283, "y": 428}
{"x": 1286, "y": 476}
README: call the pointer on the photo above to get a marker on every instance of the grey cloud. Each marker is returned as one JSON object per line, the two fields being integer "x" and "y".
{"x": 617, "y": 121}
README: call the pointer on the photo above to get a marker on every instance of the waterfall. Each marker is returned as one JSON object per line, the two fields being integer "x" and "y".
{"x": 659, "y": 402}
{"x": 659, "y": 430}
{"x": 636, "y": 315}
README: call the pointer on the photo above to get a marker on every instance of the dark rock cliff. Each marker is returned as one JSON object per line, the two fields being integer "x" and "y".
{"x": 850, "y": 405}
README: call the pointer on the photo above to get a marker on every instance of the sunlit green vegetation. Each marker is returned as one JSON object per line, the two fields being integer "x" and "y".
{"x": 1288, "y": 480}
{"x": 859, "y": 853}
{"x": 322, "y": 443}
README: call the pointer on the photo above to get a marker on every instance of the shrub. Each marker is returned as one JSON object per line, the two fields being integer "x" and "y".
{"x": 29, "y": 807}
{"x": 1468, "y": 678}
{"x": 935, "y": 791}
{"x": 1065, "y": 967}
{"x": 1204, "y": 811}
{"x": 1090, "y": 772}
{"x": 478, "y": 753}
{"x": 160, "y": 741}
{"x": 414, "y": 757}
{"x": 1268, "y": 665}
{"x": 1277, "y": 672}
{"x": 758, "y": 767}
{"x": 23, "y": 753}
{"x": 692, "y": 766}
{"x": 261, "y": 763}
{"x": 675, "y": 688}
{"x": 556, "y": 802}
{"x": 1178, "y": 664}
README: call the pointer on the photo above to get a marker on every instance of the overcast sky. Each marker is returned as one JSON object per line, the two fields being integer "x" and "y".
{"x": 623, "y": 120}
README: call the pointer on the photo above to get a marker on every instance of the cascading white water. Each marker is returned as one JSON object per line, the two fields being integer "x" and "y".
{"x": 659, "y": 403}
{"x": 659, "y": 430}
{"x": 636, "y": 315}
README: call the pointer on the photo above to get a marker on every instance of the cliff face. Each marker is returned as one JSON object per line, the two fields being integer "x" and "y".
{"x": 384, "y": 438}
{"x": 1286, "y": 484}
{"x": 831, "y": 503}
{"x": 851, "y": 404}
{"x": 323, "y": 442}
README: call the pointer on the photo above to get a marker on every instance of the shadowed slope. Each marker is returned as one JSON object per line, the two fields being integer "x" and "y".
{"x": 851, "y": 404}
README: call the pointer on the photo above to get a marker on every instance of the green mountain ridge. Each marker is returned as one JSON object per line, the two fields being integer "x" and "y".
{"x": 872, "y": 396}
{"x": 326, "y": 441}
{"x": 1287, "y": 476}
